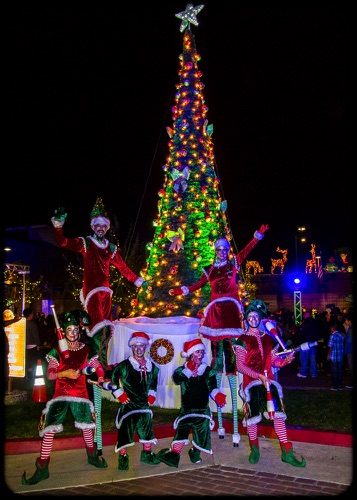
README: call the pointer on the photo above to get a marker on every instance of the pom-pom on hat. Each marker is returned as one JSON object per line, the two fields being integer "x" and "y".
{"x": 222, "y": 242}
{"x": 192, "y": 346}
{"x": 77, "y": 317}
{"x": 139, "y": 338}
{"x": 99, "y": 214}
{"x": 258, "y": 306}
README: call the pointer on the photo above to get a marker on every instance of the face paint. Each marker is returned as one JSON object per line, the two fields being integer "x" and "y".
{"x": 253, "y": 319}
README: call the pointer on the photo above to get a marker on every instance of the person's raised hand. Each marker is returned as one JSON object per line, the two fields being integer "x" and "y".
{"x": 59, "y": 217}
{"x": 263, "y": 228}
{"x": 60, "y": 214}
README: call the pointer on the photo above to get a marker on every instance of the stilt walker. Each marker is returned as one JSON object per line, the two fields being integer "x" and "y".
{"x": 96, "y": 294}
{"x": 223, "y": 321}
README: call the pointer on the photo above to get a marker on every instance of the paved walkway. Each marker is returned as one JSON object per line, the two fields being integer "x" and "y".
{"x": 226, "y": 471}
{"x": 329, "y": 469}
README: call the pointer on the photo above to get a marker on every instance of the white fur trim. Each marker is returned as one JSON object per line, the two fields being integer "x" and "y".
{"x": 259, "y": 236}
{"x": 189, "y": 415}
{"x": 197, "y": 347}
{"x": 99, "y": 326}
{"x": 100, "y": 220}
{"x": 235, "y": 438}
{"x": 222, "y": 242}
{"x": 96, "y": 290}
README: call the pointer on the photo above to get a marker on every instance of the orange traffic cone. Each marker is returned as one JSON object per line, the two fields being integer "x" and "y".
{"x": 39, "y": 393}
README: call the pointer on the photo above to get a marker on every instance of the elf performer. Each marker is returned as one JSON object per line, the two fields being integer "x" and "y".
{"x": 223, "y": 319}
{"x": 261, "y": 394}
{"x": 96, "y": 295}
{"x": 136, "y": 378}
{"x": 70, "y": 393}
{"x": 198, "y": 383}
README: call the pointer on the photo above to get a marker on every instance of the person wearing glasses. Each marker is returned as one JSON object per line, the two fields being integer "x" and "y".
{"x": 223, "y": 319}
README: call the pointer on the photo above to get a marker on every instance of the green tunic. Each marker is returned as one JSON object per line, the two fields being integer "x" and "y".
{"x": 195, "y": 414}
{"x": 135, "y": 416}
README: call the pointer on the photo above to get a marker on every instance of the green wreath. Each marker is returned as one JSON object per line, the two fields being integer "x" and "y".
{"x": 162, "y": 360}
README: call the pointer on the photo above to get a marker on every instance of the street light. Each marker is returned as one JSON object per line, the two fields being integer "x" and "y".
{"x": 21, "y": 269}
{"x": 302, "y": 240}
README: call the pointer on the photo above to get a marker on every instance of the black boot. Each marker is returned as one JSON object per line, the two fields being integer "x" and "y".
{"x": 41, "y": 473}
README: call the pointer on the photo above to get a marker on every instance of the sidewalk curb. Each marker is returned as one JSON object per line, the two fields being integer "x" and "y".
{"x": 18, "y": 446}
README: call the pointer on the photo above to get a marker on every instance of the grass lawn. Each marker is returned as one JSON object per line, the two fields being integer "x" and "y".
{"x": 313, "y": 409}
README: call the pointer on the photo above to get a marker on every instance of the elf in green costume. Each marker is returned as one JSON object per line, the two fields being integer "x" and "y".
{"x": 198, "y": 383}
{"x": 136, "y": 378}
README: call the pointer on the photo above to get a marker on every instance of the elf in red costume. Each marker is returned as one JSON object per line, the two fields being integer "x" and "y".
{"x": 98, "y": 255}
{"x": 255, "y": 356}
{"x": 96, "y": 294}
{"x": 70, "y": 394}
{"x": 223, "y": 319}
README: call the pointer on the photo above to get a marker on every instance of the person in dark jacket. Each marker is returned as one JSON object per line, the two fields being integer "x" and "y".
{"x": 32, "y": 345}
{"x": 309, "y": 332}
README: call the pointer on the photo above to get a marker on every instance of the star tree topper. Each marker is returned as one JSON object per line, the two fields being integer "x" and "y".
{"x": 189, "y": 16}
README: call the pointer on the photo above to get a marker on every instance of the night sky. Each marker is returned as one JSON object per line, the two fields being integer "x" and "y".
{"x": 91, "y": 92}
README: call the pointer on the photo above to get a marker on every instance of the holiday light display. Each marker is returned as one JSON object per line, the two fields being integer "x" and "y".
{"x": 191, "y": 210}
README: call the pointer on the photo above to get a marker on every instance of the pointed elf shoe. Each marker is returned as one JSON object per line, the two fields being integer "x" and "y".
{"x": 254, "y": 451}
{"x": 149, "y": 457}
{"x": 287, "y": 455}
{"x": 170, "y": 458}
{"x": 123, "y": 462}
{"x": 41, "y": 473}
{"x": 94, "y": 459}
{"x": 195, "y": 455}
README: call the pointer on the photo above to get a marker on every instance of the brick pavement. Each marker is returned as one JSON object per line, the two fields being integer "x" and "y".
{"x": 210, "y": 481}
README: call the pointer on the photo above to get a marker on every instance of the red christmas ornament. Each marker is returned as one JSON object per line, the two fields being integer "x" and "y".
{"x": 200, "y": 314}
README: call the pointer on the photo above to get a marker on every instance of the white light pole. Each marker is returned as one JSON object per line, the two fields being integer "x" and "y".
{"x": 21, "y": 269}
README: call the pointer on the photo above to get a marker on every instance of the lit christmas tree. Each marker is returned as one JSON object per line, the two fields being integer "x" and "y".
{"x": 191, "y": 211}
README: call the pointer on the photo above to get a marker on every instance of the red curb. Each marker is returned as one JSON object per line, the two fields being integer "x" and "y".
{"x": 18, "y": 446}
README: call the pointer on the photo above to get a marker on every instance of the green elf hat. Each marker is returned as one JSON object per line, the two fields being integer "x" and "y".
{"x": 99, "y": 214}
{"x": 77, "y": 317}
{"x": 258, "y": 306}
